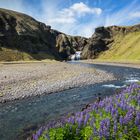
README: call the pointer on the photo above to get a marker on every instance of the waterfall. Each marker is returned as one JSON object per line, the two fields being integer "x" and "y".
{"x": 76, "y": 56}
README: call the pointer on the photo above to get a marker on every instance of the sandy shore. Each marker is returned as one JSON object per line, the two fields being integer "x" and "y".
{"x": 19, "y": 81}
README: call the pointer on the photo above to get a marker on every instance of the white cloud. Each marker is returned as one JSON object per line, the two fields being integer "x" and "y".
{"x": 73, "y": 13}
{"x": 71, "y": 18}
{"x": 82, "y": 8}
{"x": 135, "y": 14}
{"x": 123, "y": 16}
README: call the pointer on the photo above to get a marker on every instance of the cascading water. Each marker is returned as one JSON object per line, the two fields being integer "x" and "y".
{"x": 76, "y": 56}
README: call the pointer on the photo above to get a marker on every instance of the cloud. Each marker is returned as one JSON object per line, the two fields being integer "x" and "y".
{"x": 82, "y": 8}
{"x": 71, "y": 18}
{"x": 79, "y": 18}
{"x": 135, "y": 14}
{"x": 73, "y": 13}
{"x": 124, "y": 16}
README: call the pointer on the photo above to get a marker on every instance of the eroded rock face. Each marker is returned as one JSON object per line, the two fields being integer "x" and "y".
{"x": 68, "y": 45}
{"x": 24, "y": 35}
{"x": 24, "y": 38}
{"x": 103, "y": 39}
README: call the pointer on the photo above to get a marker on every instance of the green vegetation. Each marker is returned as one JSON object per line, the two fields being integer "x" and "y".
{"x": 16, "y": 55}
{"x": 113, "y": 118}
{"x": 124, "y": 47}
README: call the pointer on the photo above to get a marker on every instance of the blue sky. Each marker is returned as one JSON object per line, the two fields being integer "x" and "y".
{"x": 78, "y": 17}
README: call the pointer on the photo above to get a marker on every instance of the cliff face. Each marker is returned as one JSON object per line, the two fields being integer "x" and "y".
{"x": 68, "y": 45}
{"x": 113, "y": 42}
{"x": 24, "y": 38}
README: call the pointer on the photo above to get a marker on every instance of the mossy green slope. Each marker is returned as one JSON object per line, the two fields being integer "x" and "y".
{"x": 115, "y": 43}
{"x": 124, "y": 47}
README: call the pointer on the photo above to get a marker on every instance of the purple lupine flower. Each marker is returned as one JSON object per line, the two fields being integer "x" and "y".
{"x": 95, "y": 131}
{"x": 128, "y": 117}
{"x": 114, "y": 112}
{"x": 87, "y": 116}
{"x": 39, "y": 132}
{"x": 137, "y": 119}
{"x": 71, "y": 120}
{"x": 115, "y": 127}
{"x": 80, "y": 120}
{"x": 92, "y": 121}
{"x": 121, "y": 120}
{"x": 108, "y": 105}
{"x": 35, "y": 137}
{"x": 104, "y": 128}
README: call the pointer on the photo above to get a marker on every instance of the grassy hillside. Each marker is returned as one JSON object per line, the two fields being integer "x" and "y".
{"x": 7, "y": 54}
{"x": 124, "y": 47}
{"x": 114, "y": 43}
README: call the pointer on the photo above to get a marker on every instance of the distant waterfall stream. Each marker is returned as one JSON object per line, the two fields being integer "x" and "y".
{"x": 76, "y": 56}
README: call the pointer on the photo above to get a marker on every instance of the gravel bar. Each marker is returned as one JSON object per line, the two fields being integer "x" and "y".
{"x": 18, "y": 81}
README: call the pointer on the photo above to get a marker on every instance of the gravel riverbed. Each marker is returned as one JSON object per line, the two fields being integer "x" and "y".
{"x": 18, "y": 81}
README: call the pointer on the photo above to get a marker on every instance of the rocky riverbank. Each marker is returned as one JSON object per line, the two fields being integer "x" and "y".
{"x": 18, "y": 81}
{"x": 132, "y": 64}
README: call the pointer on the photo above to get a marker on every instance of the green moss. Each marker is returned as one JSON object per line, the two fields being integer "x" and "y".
{"x": 16, "y": 55}
{"x": 124, "y": 47}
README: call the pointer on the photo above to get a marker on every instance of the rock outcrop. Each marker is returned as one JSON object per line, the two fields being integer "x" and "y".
{"x": 24, "y": 38}
{"x": 106, "y": 39}
{"x": 68, "y": 45}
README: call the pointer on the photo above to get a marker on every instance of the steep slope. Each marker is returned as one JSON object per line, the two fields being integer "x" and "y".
{"x": 24, "y": 38}
{"x": 68, "y": 45}
{"x": 114, "y": 43}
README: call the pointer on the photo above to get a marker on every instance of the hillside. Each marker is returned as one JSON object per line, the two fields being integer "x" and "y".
{"x": 114, "y": 43}
{"x": 24, "y": 38}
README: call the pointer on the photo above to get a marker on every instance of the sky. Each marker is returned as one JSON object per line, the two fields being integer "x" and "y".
{"x": 78, "y": 17}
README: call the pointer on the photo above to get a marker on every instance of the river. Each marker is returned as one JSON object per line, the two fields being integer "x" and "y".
{"x": 19, "y": 116}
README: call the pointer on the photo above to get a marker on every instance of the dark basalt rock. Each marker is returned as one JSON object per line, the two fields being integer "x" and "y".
{"x": 22, "y": 37}
{"x": 22, "y": 34}
{"x": 103, "y": 39}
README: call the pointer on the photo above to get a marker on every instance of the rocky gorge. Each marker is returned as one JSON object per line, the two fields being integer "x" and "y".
{"x": 24, "y": 38}
{"x": 34, "y": 64}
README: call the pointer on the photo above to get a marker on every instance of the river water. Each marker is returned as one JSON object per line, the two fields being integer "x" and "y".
{"x": 19, "y": 117}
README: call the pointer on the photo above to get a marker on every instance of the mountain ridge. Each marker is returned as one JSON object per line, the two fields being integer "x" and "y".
{"x": 24, "y": 38}
{"x": 110, "y": 42}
